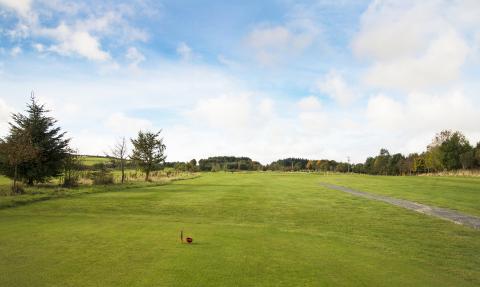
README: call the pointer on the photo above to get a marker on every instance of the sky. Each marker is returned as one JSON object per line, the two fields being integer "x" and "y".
{"x": 264, "y": 79}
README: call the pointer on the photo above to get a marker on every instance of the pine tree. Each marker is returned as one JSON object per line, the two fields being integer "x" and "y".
{"x": 48, "y": 140}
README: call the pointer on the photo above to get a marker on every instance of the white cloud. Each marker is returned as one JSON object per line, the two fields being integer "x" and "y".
{"x": 272, "y": 43}
{"x": 39, "y": 47}
{"x": 408, "y": 124}
{"x": 184, "y": 51}
{"x": 15, "y": 51}
{"x": 134, "y": 56}
{"x": 225, "y": 111}
{"x": 440, "y": 64}
{"x": 385, "y": 112}
{"x": 421, "y": 112}
{"x": 70, "y": 42}
{"x": 22, "y": 7}
{"x": 75, "y": 29}
{"x": 310, "y": 103}
{"x": 416, "y": 44}
{"x": 334, "y": 86}
{"x": 120, "y": 123}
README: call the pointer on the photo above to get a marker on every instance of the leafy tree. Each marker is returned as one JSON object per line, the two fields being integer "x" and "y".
{"x": 369, "y": 163}
{"x": 192, "y": 165}
{"x": 452, "y": 147}
{"x": 310, "y": 165}
{"x": 380, "y": 166}
{"x": 467, "y": 159}
{"x": 477, "y": 154}
{"x": 15, "y": 150}
{"x": 47, "y": 139}
{"x": 419, "y": 164}
{"x": 433, "y": 159}
{"x": 148, "y": 151}
{"x": 394, "y": 164}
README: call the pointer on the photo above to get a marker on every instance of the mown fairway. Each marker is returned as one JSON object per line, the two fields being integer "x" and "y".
{"x": 254, "y": 229}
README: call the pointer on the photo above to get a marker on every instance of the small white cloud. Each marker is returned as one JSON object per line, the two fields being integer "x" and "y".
{"x": 272, "y": 43}
{"x": 39, "y": 47}
{"x": 228, "y": 62}
{"x": 15, "y": 51}
{"x": 71, "y": 41}
{"x": 334, "y": 86}
{"x": 134, "y": 56}
{"x": 310, "y": 103}
{"x": 184, "y": 51}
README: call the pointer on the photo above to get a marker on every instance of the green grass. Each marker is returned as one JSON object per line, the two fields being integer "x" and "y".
{"x": 4, "y": 180}
{"x": 92, "y": 160}
{"x": 458, "y": 193}
{"x": 249, "y": 229}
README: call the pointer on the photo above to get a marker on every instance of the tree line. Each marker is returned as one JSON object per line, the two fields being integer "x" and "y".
{"x": 448, "y": 151}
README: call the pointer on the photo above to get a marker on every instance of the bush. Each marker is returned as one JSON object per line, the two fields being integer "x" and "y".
{"x": 71, "y": 181}
{"x": 102, "y": 177}
{"x": 168, "y": 171}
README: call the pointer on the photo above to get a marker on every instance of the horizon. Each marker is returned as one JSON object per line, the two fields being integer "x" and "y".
{"x": 270, "y": 80}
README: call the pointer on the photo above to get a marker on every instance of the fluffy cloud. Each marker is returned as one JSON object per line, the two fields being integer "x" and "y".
{"x": 71, "y": 42}
{"x": 416, "y": 44}
{"x": 74, "y": 29}
{"x": 184, "y": 51}
{"x": 134, "y": 57}
{"x": 424, "y": 112}
{"x": 15, "y": 51}
{"x": 334, "y": 86}
{"x": 310, "y": 103}
{"x": 272, "y": 43}
{"x": 225, "y": 111}
{"x": 22, "y": 7}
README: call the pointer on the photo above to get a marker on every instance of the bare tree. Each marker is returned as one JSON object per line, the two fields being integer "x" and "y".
{"x": 119, "y": 153}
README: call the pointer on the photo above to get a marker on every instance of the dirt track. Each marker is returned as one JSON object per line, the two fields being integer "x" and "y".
{"x": 443, "y": 213}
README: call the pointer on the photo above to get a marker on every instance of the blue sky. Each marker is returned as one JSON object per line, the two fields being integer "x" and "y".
{"x": 264, "y": 79}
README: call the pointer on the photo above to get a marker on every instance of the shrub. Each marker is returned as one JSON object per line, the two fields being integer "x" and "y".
{"x": 17, "y": 189}
{"x": 102, "y": 177}
{"x": 71, "y": 181}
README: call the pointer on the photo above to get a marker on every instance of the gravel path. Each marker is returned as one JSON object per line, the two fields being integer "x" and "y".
{"x": 443, "y": 213}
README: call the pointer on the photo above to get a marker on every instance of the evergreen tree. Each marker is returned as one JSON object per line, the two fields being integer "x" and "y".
{"x": 49, "y": 142}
